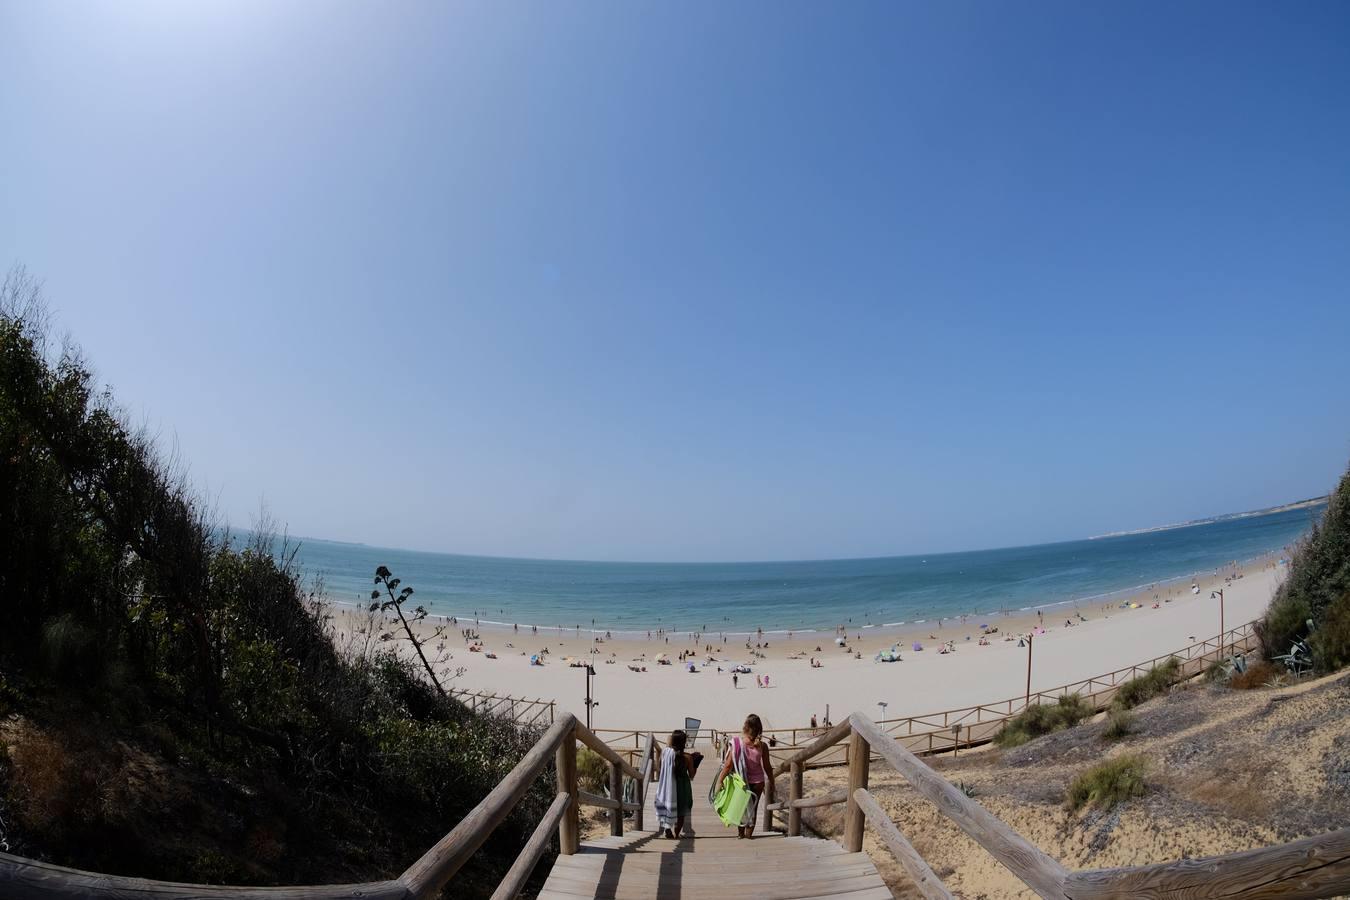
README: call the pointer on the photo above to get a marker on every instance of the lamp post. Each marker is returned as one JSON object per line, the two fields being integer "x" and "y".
{"x": 883, "y": 704}
{"x": 1027, "y": 702}
{"x": 956, "y": 740}
{"x": 1219, "y": 594}
{"x": 590, "y": 703}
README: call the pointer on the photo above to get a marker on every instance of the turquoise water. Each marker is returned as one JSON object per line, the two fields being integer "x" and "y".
{"x": 778, "y": 596}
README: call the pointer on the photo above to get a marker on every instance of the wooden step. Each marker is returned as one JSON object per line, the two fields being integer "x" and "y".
{"x": 711, "y": 863}
{"x": 750, "y": 883}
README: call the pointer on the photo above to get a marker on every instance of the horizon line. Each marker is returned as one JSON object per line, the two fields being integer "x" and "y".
{"x": 1193, "y": 523}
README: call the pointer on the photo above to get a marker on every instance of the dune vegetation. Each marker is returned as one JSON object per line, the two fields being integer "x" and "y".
{"x": 1313, "y": 602}
{"x": 175, "y": 703}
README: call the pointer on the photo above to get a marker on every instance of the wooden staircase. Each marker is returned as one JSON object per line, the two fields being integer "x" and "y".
{"x": 709, "y": 862}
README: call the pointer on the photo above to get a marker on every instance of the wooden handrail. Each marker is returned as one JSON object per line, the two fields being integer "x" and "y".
{"x": 30, "y": 879}
{"x": 586, "y": 798}
{"x": 534, "y": 848}
{"x": 648, "y": 760}
{"x": 928, "y": 884}
{"x": 26, "y": 879}
{"x": 1317, "y": 866}
{"x": 1313, "y": 867}
{"x": 590, "y": 739}
{"x": 644, "y": 778}
{"x": 836, "y": 796}
{"x": 1038, "y": 871}
{"x": 428, "y": 875}
{"x": 816, "y": 747}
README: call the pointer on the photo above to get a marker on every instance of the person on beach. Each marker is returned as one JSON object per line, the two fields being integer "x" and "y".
{"x": 674, "y": 785}
{"x": 749, "y": 755}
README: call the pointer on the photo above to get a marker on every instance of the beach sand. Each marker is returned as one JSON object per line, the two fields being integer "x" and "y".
{"x": 923, "y": 682}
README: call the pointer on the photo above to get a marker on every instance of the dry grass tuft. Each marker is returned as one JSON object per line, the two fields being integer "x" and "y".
{"x": 1259, "y": 674}
{"x": 1119, "y": 724}
{"x": 1109, "y": 783}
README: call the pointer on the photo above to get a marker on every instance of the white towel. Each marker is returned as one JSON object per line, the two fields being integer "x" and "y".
{"x": 665, "y": 790}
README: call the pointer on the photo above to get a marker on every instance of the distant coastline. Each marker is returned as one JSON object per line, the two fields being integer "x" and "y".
{"x": 627, "y": 598}
{"x": 1226, "y": 517}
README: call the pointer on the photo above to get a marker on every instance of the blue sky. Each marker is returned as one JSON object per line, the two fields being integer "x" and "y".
{"x": 700, "y": 281}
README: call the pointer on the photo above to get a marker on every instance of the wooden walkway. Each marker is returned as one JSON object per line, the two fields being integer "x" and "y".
{"x": 710, "y": 862}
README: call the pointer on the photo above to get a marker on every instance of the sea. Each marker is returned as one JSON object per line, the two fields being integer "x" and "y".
{"x": 625, "y": 597}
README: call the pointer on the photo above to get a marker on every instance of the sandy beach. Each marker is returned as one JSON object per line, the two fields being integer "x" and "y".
{"x": 1109, "y": 635}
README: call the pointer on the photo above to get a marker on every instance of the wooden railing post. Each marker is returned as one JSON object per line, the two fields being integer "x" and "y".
{"x": 768, "y": 813}
{"x": 641, "y": 783}
{"x": 794, "y": 794}
{"x": 859, "y": 760}
{"x": 616, "y": 791}
{"x": 569, "y": 826}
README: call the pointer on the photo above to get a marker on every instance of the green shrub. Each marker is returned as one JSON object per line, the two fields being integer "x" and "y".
{"x": 1109, "y": 783}
{"x": 592, "y": 770}
{"x": 1284, "y": 622}
{"x": 1072, "y": 709}
{"x": 1317, "y": 588}
{"x": 1119, "y": 724}
{"x": 1147, "y": 686}
{"x": 1330, "y": 643}
{"x": 1043, "y": 719}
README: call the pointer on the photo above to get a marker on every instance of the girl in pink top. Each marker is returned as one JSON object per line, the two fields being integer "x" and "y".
{"x": 756, "y": 766}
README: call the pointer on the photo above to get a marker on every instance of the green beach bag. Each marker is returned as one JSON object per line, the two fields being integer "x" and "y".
{"x": 733, "y": 796}
{"x": 731, "y": 800}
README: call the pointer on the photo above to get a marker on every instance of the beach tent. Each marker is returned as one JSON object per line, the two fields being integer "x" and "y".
{"x": 839, "y": 641}
{"x": 918, "y": 646}
{"x": 891, "y": 655}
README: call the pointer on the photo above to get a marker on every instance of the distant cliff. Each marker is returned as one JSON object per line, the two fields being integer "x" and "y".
{"x": 1227, "y": 517}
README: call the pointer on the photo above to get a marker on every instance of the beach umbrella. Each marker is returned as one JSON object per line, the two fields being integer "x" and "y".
{"x": 918, "y": 646}
{"x": 660, "y": 656}
{"x": 839, "y": 641}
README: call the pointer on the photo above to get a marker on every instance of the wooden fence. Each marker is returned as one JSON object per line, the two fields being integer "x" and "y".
{"x": 922, "y": 734}
{"x": 518, "y": 709}
{"x": 1313, "y": 867}
{"x": 939, "y": 732}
